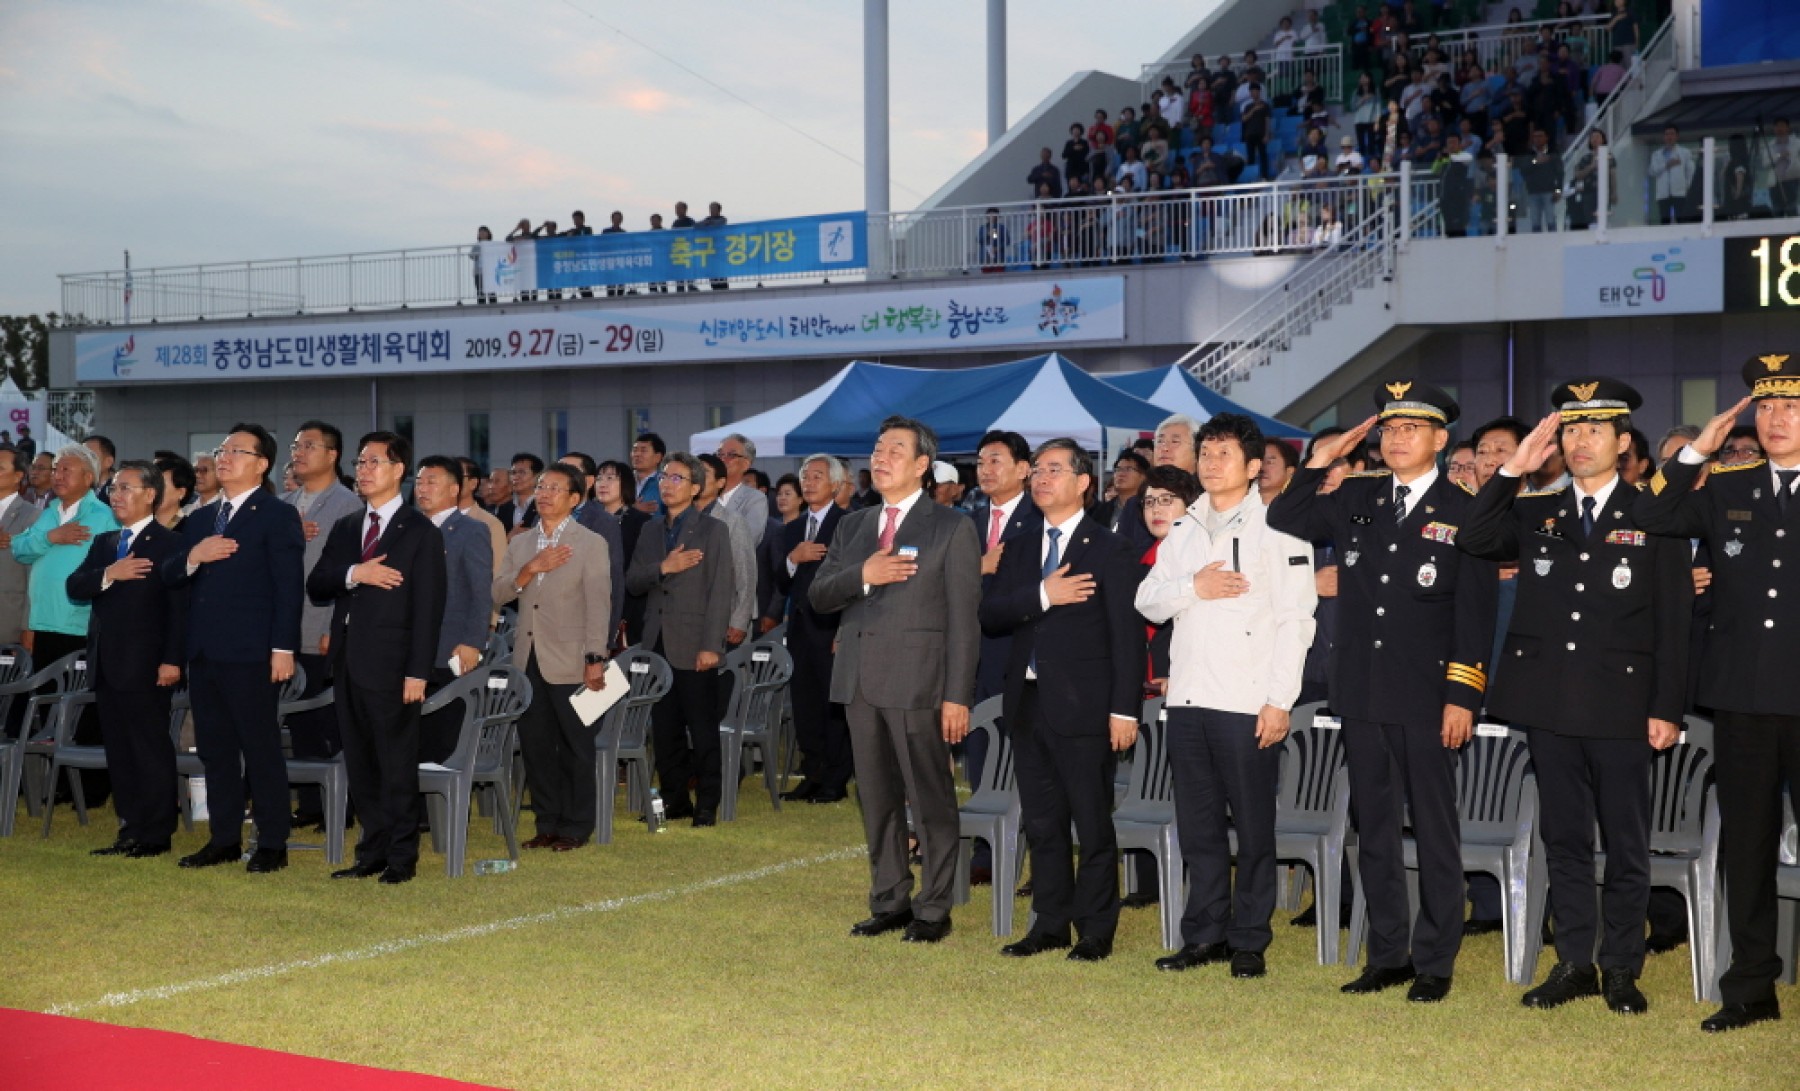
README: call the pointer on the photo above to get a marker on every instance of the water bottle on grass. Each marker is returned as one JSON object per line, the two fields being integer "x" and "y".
{"x": 655, "y": 818}
{"x": 495, "y": 867}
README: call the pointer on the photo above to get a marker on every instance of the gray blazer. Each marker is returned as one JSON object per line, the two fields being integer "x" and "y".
{"x": 597, "y": 519}
{"x": 325, "y": 509}
{"x": 743, "y": 566}
{"x": 752, "y": 507}
{"x": 15, "y": 578}
{"x": 566, "y": 616}
{"x": 468, "y": 586}
{"x": 920, "y": 639}
{"x": 690, "y": 610}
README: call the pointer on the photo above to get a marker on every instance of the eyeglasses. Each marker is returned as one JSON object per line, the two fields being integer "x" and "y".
{"x": 674, "y": 479}
{"x": 1402, "y": 430}
{"x": 131, "y": 488}
{"x": 1168, "y": 500}
{"x": 732, "y": 455}
{"x": 550, "y": 490}
{"x": 234, "y": 452}
{"x": 1053, "y": 472}
{"x": 371, "y": 463}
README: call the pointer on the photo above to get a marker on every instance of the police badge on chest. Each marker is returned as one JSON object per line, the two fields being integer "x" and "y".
{"x": 1622, "y": 576}
{"x": 1428, "y": 575}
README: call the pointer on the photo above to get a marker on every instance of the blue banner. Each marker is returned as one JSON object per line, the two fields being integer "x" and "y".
{"x": 767, "y": 248}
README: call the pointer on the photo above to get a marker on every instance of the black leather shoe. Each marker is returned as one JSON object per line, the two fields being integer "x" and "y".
{"x": 360, "y": 871}
{"x": 1024, "y": 890}
{"x": 1739, "y": 1016}
{"x": 213, "y": 856}
{"x": 881, "y": 923}
{"x": 1091, "y": 949}
{"x": 1035, "y": 943}
{"x": 1248, "y": 964}
{"x": 121, "y": 847}
{"x": 541, "y": 841}
{"x": 263, "y": 861}
{"x": 1623, "y": 997}
{"x": 1194, "y": 954}
{"x": 1474, "y": 927}
{"x": 926, "y": 931}
{"x": 703, "y": 819}
{"x": 1566, "y": 982}
{"x": 981, "y": 876}
{"x": 394, "y": 876}
{"x": 1376, "y": 978}
{"x": 1138, "y": 901}
{"x": 1428, "y": 989}
{"x": 1661, "y": 943}
{"x": 144, "y": 850}
{"x": 805, "y": 791}
{"x": 309, "y": 820}
{"x": 829, "y": 795}
{"x": 1306, "y": 918}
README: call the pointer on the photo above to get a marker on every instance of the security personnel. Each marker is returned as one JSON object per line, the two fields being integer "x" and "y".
{"x": 1749, "y": 516}
{"x": 1415, "y": 627}
{"x": 1595, "y": 660}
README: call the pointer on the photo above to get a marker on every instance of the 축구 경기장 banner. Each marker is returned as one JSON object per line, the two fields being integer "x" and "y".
{"x": 1037, "y": 314}
{"x": 767, "y": 248}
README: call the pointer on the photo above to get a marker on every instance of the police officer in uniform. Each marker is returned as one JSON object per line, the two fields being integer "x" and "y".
{"x": 1415, "y": 628}
{"x": 1749, "y": 517}
{"x": 1595, "y": 672}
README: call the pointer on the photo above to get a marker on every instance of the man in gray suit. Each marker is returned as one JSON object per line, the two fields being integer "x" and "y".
{"x": 16, "y": 516}
{"x": 738, "y": 493}
{"x": 907, "y": 575}
{"x": 743, "y": 549}
{"x": 682, "y": 565}
{"x": 321, "y": 499}
{"x": 468, "y": 595}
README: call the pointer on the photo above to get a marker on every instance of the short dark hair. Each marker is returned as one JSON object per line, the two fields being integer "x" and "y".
{"x": 1289, "y": 457}
{"x": 536, "y": 463}
{"x": 585, "y": 461}
{"x": 18, "y": 463}
{"x": 471, "y": 469}
{"x": 1173, "y": 479}
{"x": 148, "y": 477}
{"x": 265, "y": 443}
{"x": 106, "y": 445}
{"x": 449, "y": 465}
{"x": 620, "y": 470}
{"x": 570, "y": 475}
{"x": 655, "y": 441}
{"x": 786, "y": 479}
{"x": 399, "y": 448}
{"x": 925, "y": 441}
{"x": 761, "y": 478}
{"x": 1461, "y": 443}
{"x": 1143, "y": 443}
{"x": 1640, "y": 445}
{"x": 1234, "y": 426}
{"x": 181, "y": 475}
{"x": 714, "y": 465}
{"x": 1131, "y": 456}
{"x": 1012, "y": 441}
{"x": 1079, "y": 460}
{"x": 334, "y": 439}
{"x": 1512, "y": 425}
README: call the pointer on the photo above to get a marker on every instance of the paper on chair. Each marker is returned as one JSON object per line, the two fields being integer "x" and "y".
{"x": 591, "y": 704}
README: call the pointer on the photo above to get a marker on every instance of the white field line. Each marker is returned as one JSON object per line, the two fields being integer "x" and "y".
{"x": 455, "y": 935}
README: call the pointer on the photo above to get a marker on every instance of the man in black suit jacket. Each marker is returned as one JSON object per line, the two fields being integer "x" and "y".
{"x": 819, "y": 726}
{"x": 244, "y": 562}
{"x": 135, "y": 637}
{"x": 519, "y": 512}
{"x": 1074, "y": 688}
{"x": 384, "y": 570}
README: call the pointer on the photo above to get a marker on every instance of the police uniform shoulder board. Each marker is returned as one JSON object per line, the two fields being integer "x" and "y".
{"x": 1371, "y": 473}
{"x": 1463, "y": 485}
{"x": 1559, "y": 490}
{"x": 1740, "y": 466}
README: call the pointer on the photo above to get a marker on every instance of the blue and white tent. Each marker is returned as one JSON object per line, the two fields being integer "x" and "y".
{"x": 1174, "y": 389}
{"x": 1040, "y": 398}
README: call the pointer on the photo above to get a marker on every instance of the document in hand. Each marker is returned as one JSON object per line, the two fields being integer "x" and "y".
{"x": 591, "y": 704}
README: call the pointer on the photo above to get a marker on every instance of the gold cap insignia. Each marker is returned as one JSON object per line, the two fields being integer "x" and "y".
{"x": 1584, "y": 392}
{"x": 1773, "y": 362}
{"x": 1398, "y": 390}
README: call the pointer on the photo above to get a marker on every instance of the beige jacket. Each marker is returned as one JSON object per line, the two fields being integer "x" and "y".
{"x": 564, "y": 615}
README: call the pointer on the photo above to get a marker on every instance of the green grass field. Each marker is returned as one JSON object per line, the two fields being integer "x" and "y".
{"x": 720, "y": 957}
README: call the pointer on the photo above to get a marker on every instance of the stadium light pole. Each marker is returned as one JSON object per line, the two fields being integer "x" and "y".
{"x": 875, "y": 131}
{"x": 996, "y": 69}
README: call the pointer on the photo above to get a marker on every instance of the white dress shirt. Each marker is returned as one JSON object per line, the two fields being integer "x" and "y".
{"x": 1065, "y": 534}
{"x": 815, "y": 520}
{"x": 905, "y": 504}
{"x": 1416, "y": 488}
{"x": 136, "y": 530}
{"x": 384, "y": 515}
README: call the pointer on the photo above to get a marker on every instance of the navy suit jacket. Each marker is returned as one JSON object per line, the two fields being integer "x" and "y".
{"x": 246, "y": 605}
{"x": 136, "y": 625}
{"x": 996, "y": 647}
{"x": 806, "y": 626}
{"x": 469, "y": 586}
{"x": 597, "y": 519}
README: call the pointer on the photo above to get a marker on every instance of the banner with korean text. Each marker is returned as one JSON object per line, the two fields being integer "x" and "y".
{"x": 767, "y": 248}
{"x": 1038, "y": 314}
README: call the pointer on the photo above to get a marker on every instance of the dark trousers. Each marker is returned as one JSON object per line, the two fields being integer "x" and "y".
{"x": 1215, "y": 762}
{"x": 48, "y": 647}
{"x": 380, "y": 733}
{"x": 314, "y": 734}
{"x": 1394, "y": 767}
{"x": 1064, "y": 780}
{"x": 1755, "y": 754}
{"x": 439, "y": 732}
{"x": 140, "y": 755}
{"x": 819, "y": 725}
{"x": 901, "y": 758}
{"x": 1581, "y": 781}
{"x": 685, "y": 724}
{"x": 239, "y": 740}
{"x": 559, "y": 759}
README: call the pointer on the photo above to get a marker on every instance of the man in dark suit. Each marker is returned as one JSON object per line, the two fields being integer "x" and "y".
{"x": 906, "y": 574}
{"x": 243, "y": 562}
{"x": 1074, "y": 689}
{"x": 383, "y": 570}
{"x": 683, "y": 567}
{"x": 1596, "y": 673}
{"x": 519, "y": 512}
{"x": 819, "y": 725}
{"x": 1124, "y": 513}
{"x": 1415, "y": 628}
{"x": 136, "y": 633}
{"x": 1748, "y": 516}
{"x": 468, "y": 595}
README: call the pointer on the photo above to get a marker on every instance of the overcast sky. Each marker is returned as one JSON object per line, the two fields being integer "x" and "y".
{"x": 216, "y": 130}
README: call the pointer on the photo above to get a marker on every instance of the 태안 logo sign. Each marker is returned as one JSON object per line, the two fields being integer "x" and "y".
{"x": 1610, "y": 280}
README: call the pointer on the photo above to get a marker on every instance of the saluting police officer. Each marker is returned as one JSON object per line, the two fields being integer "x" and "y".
{"x": 1749, "y": 515}
{"x": 1595, "y": 672}
{"x": 1415, "y": 627}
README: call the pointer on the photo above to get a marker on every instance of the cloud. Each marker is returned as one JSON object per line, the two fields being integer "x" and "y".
{"x": 270, "y": 13}
{"x": 144, "y": 111}
{"x": 646, "y": 100}
{"x": 464, "y": 158}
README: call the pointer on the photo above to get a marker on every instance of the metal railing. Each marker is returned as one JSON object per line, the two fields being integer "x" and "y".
{"x": 1364, "y": 257}
{"x": 1501, "y": 45}
{"x": 1649, "y": 69}
{"x": 1123, "y": 228}
{"x": 1282, "y": 75}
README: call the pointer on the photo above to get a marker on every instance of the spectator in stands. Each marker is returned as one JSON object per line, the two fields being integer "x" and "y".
{"x": 1077, "y": 153}
{"x": 1456, "y": 195}
{"x": 1365, "y": 113}
{"x": 715, "y": 217}
{"x": 1171, "y": 103}
{"x": 682, "y": 220}
{"x": 1415, "y": 99}
{"x": 1126, "y": 135}
{"x": 522, "y": 231}
{"x": 1515, "y": 123}
{"x": 1328, "y": 233}
{"x": 1428, "y": 146}
{"x": 1399, "y": 76}
{"x": 1100, "y": 146}
{"x": 1224, "y": 91}
{"x": 1045, "y": 174}
{"x": 615, "y": 227}
{"x": 1285, "y": 40}
{"x": 1256, "y": 116}
{"x": 657, "y": 287}
{"x": 1736, "y": 184}
{"x": 1543, "y": 172}
{"x": 482, "y": 234}
{"x": 1410, "y": 20}
{"x": 1609, "y": 76}
{"x": 1348, "y": 159}
{"x": 1476, "y": 97}
{"x": 1672, "y": 173}
{"x": 1312, "y": 36}
{"x": 1624, "y": 28}
{"x": 1155, "y": 154}
{"x": 1133, "y": 170}
{"x": 1784, "y": 163}
{"x": 991, "y": 242}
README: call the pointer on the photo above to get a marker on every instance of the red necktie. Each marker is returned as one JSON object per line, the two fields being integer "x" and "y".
{"x": 999, "y": 520}
{"x": 887, "y": 531}
{"x": 373, "y": 535}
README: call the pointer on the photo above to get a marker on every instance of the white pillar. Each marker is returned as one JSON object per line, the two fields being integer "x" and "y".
{"x": 1406, "y": 196}
{"x": 1707, "y": 174}
{"x": 996, "y": 69}
{"x": 1502, "y": 196}
{"x": 1602, "y": 207}
{"x": 875, "y": 131}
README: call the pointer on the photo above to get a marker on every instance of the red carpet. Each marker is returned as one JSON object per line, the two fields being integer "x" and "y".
{"x": 51, "y": 1053}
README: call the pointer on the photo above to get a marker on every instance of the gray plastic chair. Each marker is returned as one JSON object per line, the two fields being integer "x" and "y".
{"x": 754, "y": 719}
{"x": 69, "y": 757}
{"x": 1312, "y": 813}
{"x": 15, "y": 667}
{"x": 37, "y": 731}
{"x": 1145, "y": 818}
{"x": 1497, "y": 802}
{"x": 624, "y": 736}
{"x": 992, "y": 814}
{"x": 493, "y": 699}
{"x": 330, "y": 774}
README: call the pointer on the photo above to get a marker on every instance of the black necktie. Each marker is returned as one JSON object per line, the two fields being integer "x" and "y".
{"x": 1400, "y": 494}
{"x": 1786, "y": 477}
{"x": 1587, "y": 516}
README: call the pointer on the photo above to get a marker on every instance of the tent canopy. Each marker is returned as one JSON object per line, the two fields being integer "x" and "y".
{"x": 1041, "y": 398}
{"x": 1176, "y": 390}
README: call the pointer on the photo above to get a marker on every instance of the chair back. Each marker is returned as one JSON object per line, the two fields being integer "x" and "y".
{"x": 15, "y": 667}
{"x": 762, "y": 673}
{"x": 1152, "y": 786}
{"x": 462, "y": 689}
{"x": 1312, "y": 754}
{"x": 497, "y": 704}
{"x": 997, "y": 788}
{"x": 1490, "y": 775}
{"x": 628, "y": 721}
{"x": 1678, "y": 779}
{"x": 65, "y": 676}
{"x": 292, "y": 689}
